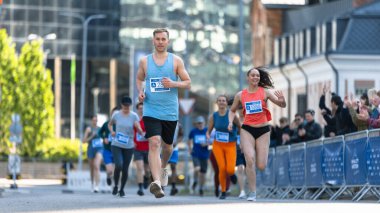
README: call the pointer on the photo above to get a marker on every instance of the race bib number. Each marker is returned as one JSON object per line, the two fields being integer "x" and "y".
{"x": 253, "y": 107}
{"x": 222, "y": 136}
{"x": 97, "y": 143}
{"x": 200, "y": 139}
{"x": 140, "y": 138}
{"x": 157, "y": 86}
{"x": 122, "y": 138}
{"x": 238, "y": 140}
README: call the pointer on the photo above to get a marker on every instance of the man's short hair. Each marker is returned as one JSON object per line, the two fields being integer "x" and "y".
{"x": 160, "y": 30}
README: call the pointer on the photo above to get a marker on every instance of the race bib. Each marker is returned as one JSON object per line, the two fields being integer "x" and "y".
{"x": 122, "y": 138}
{"x": 200, "y": 139}
{"x": 157, "y": 86}
{"x": 140, "y": 138}
{"x": 222, "y": 136}
{"x": 253, "y": 107}
{"x": 97, "y": 143}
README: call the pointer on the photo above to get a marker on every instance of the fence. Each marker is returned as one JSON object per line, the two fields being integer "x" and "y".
{"x": 343, "y": 165}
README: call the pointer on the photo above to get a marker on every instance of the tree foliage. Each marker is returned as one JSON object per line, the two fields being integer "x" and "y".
{"x": 36, "y": 100}
{"x": 8, "y": 86}
{"x": 27, "y": 90}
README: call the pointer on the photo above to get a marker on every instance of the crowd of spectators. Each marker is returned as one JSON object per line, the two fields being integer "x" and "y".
{"x": 345, "y": 116}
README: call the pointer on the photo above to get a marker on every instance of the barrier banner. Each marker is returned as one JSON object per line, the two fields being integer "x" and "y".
{"x": 373, "y": 157}
{"x": 314, "y": 176}
{"x": 282, "y": 166}
{"x": 355, "y": 158}
{"x": 333, "y": 161}
{"x": 297, "y": 164}
{"x": 268, "y": 175}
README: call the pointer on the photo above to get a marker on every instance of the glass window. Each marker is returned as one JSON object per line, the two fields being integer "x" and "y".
{"x": 48, "y": 16}
{"x": 33, "y": 15}
{"x": 104, "y": 35}
{"x": 92, "y": 35}
{"x": 63, "y": 48}
{"x": 33, "y": 2}
{"x": 33, "y": 29}
{"x": 76, "y": 4}
{"x": 19, "y": 31}
{"x": 19, "y": 2}
{"x": 48, "y": 3}
{"x": 19, "y": 14}
{"x": 63, "y": 3}
{"x": 63, "y": 33}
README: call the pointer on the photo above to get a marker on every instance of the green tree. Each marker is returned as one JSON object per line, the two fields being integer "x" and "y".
{"x": 35, "y": 103}
{"x": 9, "y": 80}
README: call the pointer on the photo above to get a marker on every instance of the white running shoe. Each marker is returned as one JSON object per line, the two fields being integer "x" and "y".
{"x": 164, "y": 178}
{"x": 155, "y": 188}
{"x": 251, "y": 196}
{"x": 242, "y": 195}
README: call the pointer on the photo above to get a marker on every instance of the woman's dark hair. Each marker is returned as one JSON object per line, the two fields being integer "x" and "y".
{"x": 337, "y": 100}
{"x": 265, "y": 79}
{"x": 365, "y": 97}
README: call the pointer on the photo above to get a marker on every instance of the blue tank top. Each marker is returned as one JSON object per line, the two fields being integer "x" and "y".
{"x": 160, "y": 103}
{"x": 221, "y": 126}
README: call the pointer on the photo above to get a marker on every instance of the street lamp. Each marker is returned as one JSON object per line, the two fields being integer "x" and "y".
{"x": 85, "y": 22}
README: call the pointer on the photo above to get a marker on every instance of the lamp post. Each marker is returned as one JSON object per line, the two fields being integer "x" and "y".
{"x": 85, "y": 22}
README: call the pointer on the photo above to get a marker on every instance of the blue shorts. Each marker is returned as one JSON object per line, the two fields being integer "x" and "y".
{"x": 107, "y": 156}
{"x": 91, "y": 151}
{"x": 174, "y": 157}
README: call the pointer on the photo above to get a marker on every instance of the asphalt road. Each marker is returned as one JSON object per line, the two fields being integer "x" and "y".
{"x": 47, "y": 196}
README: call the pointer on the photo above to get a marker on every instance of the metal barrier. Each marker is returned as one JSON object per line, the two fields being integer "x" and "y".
{"x": 297, "y": 167}
{"x": 268, "y": 181}
{"x": 314, "y": 178}
{"x": 333, "y": 164}
{"x": 355, "y": 161}
{"x": 373, "y": 164}
{"x": 282, "y": 171}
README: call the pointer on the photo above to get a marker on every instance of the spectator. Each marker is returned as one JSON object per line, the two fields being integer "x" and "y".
{"x": 372, "y": 120}
{"x": 309, "y": 131}
{"x": 343, "y": 121}
{"x": 298, "y": 121}
{"x": 354, "y": 107}
{"x": 330, "y": 127}
{"x": 283, "y": 132}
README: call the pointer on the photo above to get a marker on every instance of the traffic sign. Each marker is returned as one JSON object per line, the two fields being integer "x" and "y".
{"x": 186, "y": 104}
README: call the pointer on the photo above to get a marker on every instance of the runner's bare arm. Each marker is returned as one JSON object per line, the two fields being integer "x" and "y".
{"x": 276, "y": 97}
{"x": 210, "y": 126}
{"x": 140, "y": 79}
{"x": 232, "y": 111}
{"x": 110, "y": 127}
{"x": 87, "y": 137}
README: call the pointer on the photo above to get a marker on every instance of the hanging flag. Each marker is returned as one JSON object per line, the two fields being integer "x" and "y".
{"x": 72, "y": 70}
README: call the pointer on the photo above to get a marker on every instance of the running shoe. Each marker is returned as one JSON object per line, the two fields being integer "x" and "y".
{"x": 173, "y": 191}
{"x": 96, "y": 189}
{"x": 114, "y": 191}
{"x": 242, "y": 195}
{"x": 251, "y": 196}
{"x": 164, "y": 179}
{"x": 140, "y": 192}
{"x": 222, "y": 196}
{"x": 109, "y": 181}
{"x": 121, "y": 193}
{"x": 155, "y": 188}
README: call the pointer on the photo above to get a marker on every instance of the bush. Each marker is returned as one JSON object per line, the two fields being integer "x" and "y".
{"x": 62, "y": 149}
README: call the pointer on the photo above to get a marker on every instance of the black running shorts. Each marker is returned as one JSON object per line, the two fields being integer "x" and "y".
{"x": 155, "y": 127}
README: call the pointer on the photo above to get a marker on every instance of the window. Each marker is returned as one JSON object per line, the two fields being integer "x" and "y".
{"x": 33, "y": 15}
{"x": 19, "y": 14}
{"x": 362, "y": 86}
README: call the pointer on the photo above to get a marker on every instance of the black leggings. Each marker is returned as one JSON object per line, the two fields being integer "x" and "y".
{"x": 122, "y": 158}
